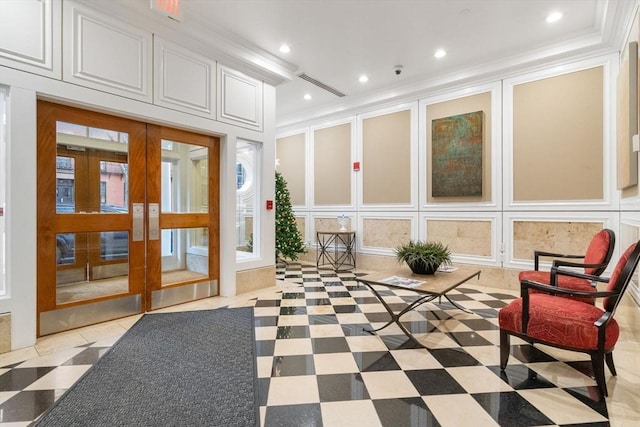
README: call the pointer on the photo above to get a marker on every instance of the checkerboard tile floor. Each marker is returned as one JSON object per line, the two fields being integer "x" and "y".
{"x": 318, "y": 364}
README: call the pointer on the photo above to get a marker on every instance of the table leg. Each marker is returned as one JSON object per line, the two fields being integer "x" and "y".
{"x": 395, "y": 317}
{"x": 458, "y": 306}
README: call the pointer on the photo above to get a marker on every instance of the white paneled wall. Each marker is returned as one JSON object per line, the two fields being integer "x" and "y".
{"x": 240, "y": 100}
{"x": 80, "y": 45}
{"x": 497, "y": 215}
{"x": 30, "y": 36}
{"x": 76, "y": 52}
{"x": 183, "y": 80}
{"x": 104, "y": 53}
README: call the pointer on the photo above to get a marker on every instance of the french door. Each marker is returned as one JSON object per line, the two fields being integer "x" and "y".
{"x": 127, "y": 216}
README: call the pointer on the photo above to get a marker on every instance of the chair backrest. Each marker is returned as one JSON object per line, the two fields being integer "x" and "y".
{"x": 621, "y": 276}
{"x": 599, "y": 251}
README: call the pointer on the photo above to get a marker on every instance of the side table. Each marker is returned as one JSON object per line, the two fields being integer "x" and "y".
{"x": 336, "y": 249}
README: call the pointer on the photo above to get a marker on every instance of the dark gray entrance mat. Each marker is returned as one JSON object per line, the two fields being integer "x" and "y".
{"x": 191, "y": 368}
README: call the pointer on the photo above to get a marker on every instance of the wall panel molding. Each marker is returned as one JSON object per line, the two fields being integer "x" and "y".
{"x": 239, "y": 98}
{"x": 331, "y": 165}
{"x": 388, "y": 229}
{"x": 608, "y": 65}
{"x": 580, "y": 227}
{"x": 468, "y": 235}
{"x": 493, "y": 148}
{"x": 104, "y": 53}
{"x": 30, "y": 36}
{"x": 292, "y": 161}
{"x": 382, "y": 154}
{"x": 183, "y": 80}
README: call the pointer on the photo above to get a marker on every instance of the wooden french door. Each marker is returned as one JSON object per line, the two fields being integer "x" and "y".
{"x": 127, "y": 217}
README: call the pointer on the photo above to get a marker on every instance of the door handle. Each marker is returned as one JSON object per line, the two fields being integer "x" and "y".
{"x": 138, "y": 222}
{"x": 154, "y": 221}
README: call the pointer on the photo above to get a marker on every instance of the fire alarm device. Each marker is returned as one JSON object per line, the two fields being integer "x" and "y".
{"x": 269, "y": 205}
{"x": 356, "y": 166}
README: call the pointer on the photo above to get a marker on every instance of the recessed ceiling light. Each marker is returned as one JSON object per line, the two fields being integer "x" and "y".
{"x": 440, "y": 53}
{"x": 554, "y": 17}
{"x": 363, "y": 78}
{"x": 284, "y": 48}
{"x": 307, "y": 96}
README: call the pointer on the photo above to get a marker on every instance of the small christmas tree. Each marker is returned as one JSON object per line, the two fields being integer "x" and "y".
{"x": 288, "y": 238}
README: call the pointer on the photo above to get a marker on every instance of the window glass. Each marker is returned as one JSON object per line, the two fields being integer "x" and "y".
{"x": 248, "y": 164}
{"x": 3, "y": 177}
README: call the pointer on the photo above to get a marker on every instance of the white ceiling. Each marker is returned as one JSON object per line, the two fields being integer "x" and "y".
{"x": 335, "y": 41}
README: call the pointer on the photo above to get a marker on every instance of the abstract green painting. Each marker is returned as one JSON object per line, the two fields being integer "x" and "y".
{"x": 456, "y": 149}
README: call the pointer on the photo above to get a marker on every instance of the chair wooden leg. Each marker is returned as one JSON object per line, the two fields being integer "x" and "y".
{"x": 609, "y": 359}
{"x": 505, "y": 348}
{"x": 597, "y": 362}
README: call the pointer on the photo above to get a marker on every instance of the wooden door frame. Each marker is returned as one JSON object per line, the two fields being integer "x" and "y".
{"x": 49, "y": 222}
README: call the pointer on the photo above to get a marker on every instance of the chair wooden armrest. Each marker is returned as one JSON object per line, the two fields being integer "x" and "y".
{"x": 557, "y": 290}
{"x": 557, "y": 270}
{"x": 538, "y": 254}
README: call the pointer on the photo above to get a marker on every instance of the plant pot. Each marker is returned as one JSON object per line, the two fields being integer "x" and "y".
{"x": 420, "y": 268}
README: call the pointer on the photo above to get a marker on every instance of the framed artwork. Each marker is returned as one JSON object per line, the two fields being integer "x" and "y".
{"x": 456, "y": 155}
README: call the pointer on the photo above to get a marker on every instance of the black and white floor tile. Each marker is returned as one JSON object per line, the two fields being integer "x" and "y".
{"x": 318, "y": 364}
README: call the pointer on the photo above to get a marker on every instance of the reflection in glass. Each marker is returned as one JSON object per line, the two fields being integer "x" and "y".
{"x": 189, "y": 255}
{"x": 65, "y": 248}
{"x": 90, "y": 132}
{"x": 113, "y": 187}
{"x": 247, "y": 198}
{"x": 91, "y": 265}
{"x": 65, "y": 189}
{"x": 91, "y": 169}
{"x": 114, "y": 245}
{"x": 185, "y": 177}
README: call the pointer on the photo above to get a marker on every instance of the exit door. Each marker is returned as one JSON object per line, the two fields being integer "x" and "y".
{"x": 127, "y": 217}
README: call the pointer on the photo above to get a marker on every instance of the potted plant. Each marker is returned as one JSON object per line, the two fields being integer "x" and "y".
{"x": 423, "y": 257}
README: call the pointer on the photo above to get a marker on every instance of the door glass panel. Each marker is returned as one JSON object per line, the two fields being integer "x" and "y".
{"x": 185, "y": 178}
{"x": 91, "y": 169}
{"x": 189, "y": 259}
{"x": 91, "y": 178}
{"x": 91, "y": 265}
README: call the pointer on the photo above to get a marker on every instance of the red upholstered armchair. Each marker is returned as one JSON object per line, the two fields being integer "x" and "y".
{"x": 595, "y": 261}
{"x": 568, "y": 323}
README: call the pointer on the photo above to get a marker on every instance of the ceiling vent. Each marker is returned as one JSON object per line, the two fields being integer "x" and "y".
{"x": 321, "y": 85}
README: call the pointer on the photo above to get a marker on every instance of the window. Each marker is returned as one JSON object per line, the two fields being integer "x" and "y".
{"x": 241, "y": 174}
{"x": 248, "y": 166}
{"x": 3, "y": 178}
